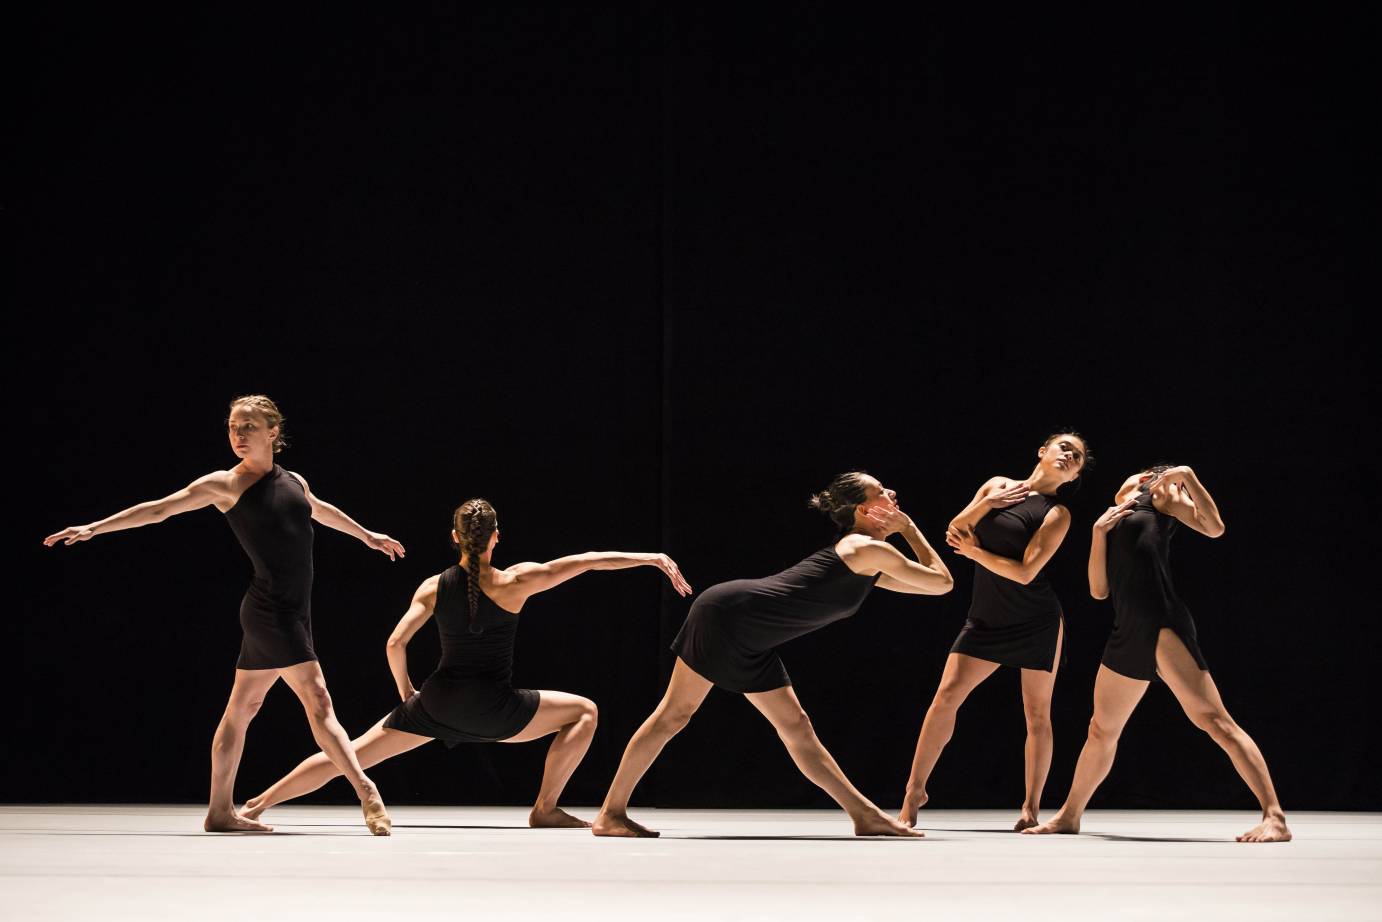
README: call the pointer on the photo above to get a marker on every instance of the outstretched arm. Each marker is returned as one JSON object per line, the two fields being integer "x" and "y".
{"x": 424, "y": 601}
{"x": 204, "y": 491}
{"x": 1098, "y": 546}
{"x": 1039, "y": 549}
{"x": 1191, "y": 503}
{"x": 532, "y": 578}
{"x": 333, "y": 517}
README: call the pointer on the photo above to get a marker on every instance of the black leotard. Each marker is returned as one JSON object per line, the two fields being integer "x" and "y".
{"x": 1009, "y": 623}
{"x": 1144, "y": 600}
{"x": 470, "y": 697}
{"x": 273, "y": 521}
{"x": 732, "y": 629}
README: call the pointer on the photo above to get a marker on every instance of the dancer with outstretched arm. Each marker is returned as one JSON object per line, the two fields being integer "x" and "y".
{"x": 270, "y": 510}
{"x": 1154, "y": 637}
{"x": 1011, "y": 530}
{"x": 733, "y": 629}
{"x": 470, "y": 696}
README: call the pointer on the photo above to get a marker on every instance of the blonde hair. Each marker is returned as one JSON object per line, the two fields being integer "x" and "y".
{"x": 265, "y": 407}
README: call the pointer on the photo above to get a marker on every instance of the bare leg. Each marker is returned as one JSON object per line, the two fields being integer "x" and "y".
{"x": 376, "y": 745}
{"x": 1037, "y": 687}
{"x": 307, "y": 681}
{"x": 684, "y": 695}
{"x": 246, "y": 697}
{"x": 572, "y": 718}
{"x": 1197, "y": 694}
{"x": 785, "y": 713}
{"x": 961, "y": 676}
{"x": 1115, "y": 697}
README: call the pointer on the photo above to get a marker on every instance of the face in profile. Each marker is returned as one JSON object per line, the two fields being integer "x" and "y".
{"x": 249, "y": 432}
{"x": 876, "y": 496}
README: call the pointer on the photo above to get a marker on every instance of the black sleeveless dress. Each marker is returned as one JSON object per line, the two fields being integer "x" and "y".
{"x": 1009, "y": 623}
{"x": 732, "y": 629}
{"x": 470, "y": 697}
{"x": 1144, "y": 599}
{"x": 273, "y": 521}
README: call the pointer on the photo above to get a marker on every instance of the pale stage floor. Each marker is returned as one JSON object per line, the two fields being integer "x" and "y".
{"x": 153, "y": 862}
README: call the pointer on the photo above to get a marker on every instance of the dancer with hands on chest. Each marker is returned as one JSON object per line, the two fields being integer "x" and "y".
{"x": 1011, "y": 530}
{"x": 733, "y": 629}
{"x": 1154, "y": 637}
{"x": 470, "y": 697}
{"x": 271, "y": 511}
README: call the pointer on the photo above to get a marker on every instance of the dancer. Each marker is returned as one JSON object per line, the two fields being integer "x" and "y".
{"x": 271, "y": 511}
{"x": 1011, "y": 529}
{"x": 732, "y": 632}
{"x": 470, "y": 696}
{"x": 1154, "y": 635}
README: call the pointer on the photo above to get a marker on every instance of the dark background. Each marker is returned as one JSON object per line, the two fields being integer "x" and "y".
{"x": 645, "y": 279}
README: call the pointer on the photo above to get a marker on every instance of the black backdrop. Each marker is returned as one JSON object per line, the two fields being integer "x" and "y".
{"x": 645, "y": 279}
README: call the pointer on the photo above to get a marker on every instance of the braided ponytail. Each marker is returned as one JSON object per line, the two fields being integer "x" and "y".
{"x": 474, "y": 522}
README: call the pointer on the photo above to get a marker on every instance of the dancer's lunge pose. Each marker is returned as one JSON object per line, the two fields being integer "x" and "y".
{"x": 1010, "y": 530}
{"x": 1154, "y": 635}
{"x": 470, "y": 697}
{"x": 271, "y": 511}
{"x": 731, "y": 634}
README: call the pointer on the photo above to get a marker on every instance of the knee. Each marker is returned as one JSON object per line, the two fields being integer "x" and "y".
{"x": 1038, "y": 722}
{"x": 242, "y": 710}
{"x": 671, "y": 720}
{"x": 1218, "y": 725}
{"x": 948, "y": 698}
{"x": 796, "y": 726}
{"x": 588, "y": 716}
{"x": 1103, "y": 732}
{"x": 317, "y": 700}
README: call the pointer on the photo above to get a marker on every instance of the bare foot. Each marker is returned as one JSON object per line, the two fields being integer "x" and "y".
{"x": 376, "y": 817}
{"x": 1027, "y": 820}
{"x": 1271, "y": 829}
{"x": 609, "y": 824}
{"x": 253, "y": 808}
{"x": 555, "y": 818}
{"x": 913, "y": 802}
{"x": 879, "y": 823}
{"x": 233, "y": 822}
{"x": 1058, "y": 825}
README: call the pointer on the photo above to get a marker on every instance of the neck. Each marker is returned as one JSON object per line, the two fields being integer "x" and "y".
{"x": 257, "y": 463}
{"x": 1043, "y": 481}
{"x": 872, "y": 531}
{"x": 465, "y": 561}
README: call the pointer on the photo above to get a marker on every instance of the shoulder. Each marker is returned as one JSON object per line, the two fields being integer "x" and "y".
{"x": 219, "y": 481}
{"x": 427, "y": 589}
{"x": 1056, "y": 514}
{"x": 996, "y": 482}
{"x": 862, "y": 552}
{"x": 299, "y": 478}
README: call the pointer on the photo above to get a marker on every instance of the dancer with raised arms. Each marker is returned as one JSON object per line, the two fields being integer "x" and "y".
{"x": 1154, "y": 636}
{"x": 732, "y": 632}
{"x": 470, "y": 696}
{"x": 270, "y": 510}
{"x": 1011, "y": 530}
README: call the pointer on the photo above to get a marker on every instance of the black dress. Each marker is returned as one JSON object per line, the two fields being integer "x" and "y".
{"x": 732, "y": 629}
{"x": 273, "y": 521}
{"x": 1009, "y": 623}
{"x": 1144, "y": 600}
{"x": 470, "y": 697}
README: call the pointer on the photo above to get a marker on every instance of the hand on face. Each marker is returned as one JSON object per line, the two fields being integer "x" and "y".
{"x": 963, "y": 540}
{"x": 888, "y": 519}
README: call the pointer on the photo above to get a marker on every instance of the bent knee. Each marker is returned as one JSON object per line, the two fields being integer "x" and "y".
{"x": 244, "y": 709}
{"x": 587, "y": 713}
{"x": 795, "y": 725}
{"x": 317, "y": 701}
{"x": 1217, "y": 724}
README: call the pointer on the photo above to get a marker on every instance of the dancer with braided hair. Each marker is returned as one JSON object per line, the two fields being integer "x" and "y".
{"x": 271, "y": 511}
{"x": 470, "y": 697}
{"x": 732, "y": 632}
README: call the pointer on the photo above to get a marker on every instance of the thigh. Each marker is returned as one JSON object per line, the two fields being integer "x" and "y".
{"x": 1038, "y": 684}
{"x": 686, "y": 689}
{"x": 555, "y": 709}
{"x": 251, "y": 685}
{"x": 781, "y": 706}
{"x": 963, "y": 674}
{"x": 1193, "y": 687}
{"x": 304, "y": 678}
{"x": 379, "y": 743}
{"x": 1115, "y": 698}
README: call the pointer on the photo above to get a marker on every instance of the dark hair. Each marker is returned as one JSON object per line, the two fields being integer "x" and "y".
{"x": 1069, "y": 489}
{"x": 261, "y": 404}
{"x": 838, "y": 500}
{"x": 474, "y": 521}
{"x": 1153, "y": 470}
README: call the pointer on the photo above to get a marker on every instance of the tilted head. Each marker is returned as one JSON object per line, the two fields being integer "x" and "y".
{"x": 255, "y": 424}
{"x": 1065, "y": 456}
{"x": 475, "y": 532}
{"x": 849, "y": 497}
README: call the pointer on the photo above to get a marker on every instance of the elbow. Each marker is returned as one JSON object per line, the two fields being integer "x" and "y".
{"x": 1024, "y": 577}
{"x": 395, "y": 644}
{"x": 1098, "y": 592}
{"x": 1215, "y": 530}
{"x": 944, "y": 583}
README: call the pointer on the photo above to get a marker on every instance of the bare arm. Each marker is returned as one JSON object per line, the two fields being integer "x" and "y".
{"x": 927, "y": 575}
{"x": 996, "y": 493}
{"x": 532, "y": 578}
{"x": 424, "y": 601}
{"x": 1098, "y": 546}
{"x": 333, "y": 517}
{"x": 204, "y": 491}
{"x": 1191, "y": 503}
{"x": 1039, "y": 549}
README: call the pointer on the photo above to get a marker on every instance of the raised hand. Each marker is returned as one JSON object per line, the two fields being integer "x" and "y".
{"x": 669, "y": 566}
{"x": 70, "y": 535}
{"x": 889, "y": 518}
{"x": 1010, "y": 495}
{"x": 963, "y": 540}
{"x": 384, "y": 544}
{"x": 1113, "y": 513}
{"x": 1171, "y": 476}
